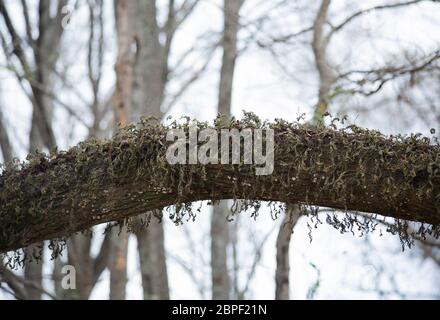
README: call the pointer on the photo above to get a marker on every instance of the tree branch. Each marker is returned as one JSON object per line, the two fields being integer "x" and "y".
{"x": 101, "y": 181}
{"x": 375, "y": 8}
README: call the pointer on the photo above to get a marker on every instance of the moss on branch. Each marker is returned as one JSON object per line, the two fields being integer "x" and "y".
{"x": 97, "y": 181}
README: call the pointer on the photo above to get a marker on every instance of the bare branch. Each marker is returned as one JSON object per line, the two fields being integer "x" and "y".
{"x": 185, "y": 11}
{"x": 30, "y": 39}
{"x": 257, "y": 257}
{"x": 15, "y": 283}
{"x": 196, "y": 75}
{"x": 376, "y": 8}
{"x": 379, "y": 77}
{"x": 407, "y": 190}
{"x": 16, "y": 40}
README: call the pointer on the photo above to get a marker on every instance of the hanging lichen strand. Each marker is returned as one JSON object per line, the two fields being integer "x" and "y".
{"x": 347, "y": 168}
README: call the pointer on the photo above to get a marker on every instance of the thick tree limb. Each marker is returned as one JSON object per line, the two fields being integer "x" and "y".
{"x": 100, "y": 181}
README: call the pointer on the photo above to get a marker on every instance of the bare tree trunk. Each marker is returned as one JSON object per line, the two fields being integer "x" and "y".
{"x": 57, "y": 277}
{"x": 124, "y": 63}
{"x": 282, "y": 286}
{"x": 150, "y": 79}
{"x": 7, "y": 154}
{"x": 233, "y": 237}
{"x": 153, "y": 262}
{"x": 229, "y": 46}
{"x": 5, "y": 143}
{"x": 221, "y": 281}
{"x": 326, "y": 74}
{"x": 122, "y": 105}
{"x": 151, "y": 61}
{"x": 219, "y": 254}
{"x": 33, "y": 274}
{"x": 118, "y": 264}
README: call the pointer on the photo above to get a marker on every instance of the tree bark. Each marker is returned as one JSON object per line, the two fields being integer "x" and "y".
{"x": 118, "y": 264}
{"x": 357, "y": 171}
{"x": 282, "y": 277}
{"x": 219, "y": 255}
{"x": 326, "y": 74}
{"x": 122, "y": 106}
{"x": 153, "y": 262}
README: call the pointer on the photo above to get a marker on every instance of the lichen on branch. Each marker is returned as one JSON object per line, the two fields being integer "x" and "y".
{"x": 341, "y": 167}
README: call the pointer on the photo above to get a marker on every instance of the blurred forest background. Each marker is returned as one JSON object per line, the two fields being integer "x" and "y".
{"x": 70, "y": 70}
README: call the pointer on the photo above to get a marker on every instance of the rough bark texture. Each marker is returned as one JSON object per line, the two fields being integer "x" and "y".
{"x": 101, "y": 181}
{"x": 150, "y": 78}
{"x": 229, "y": 44}
{"x": 124, "y": 63}
{"x": 33, "y": 273}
